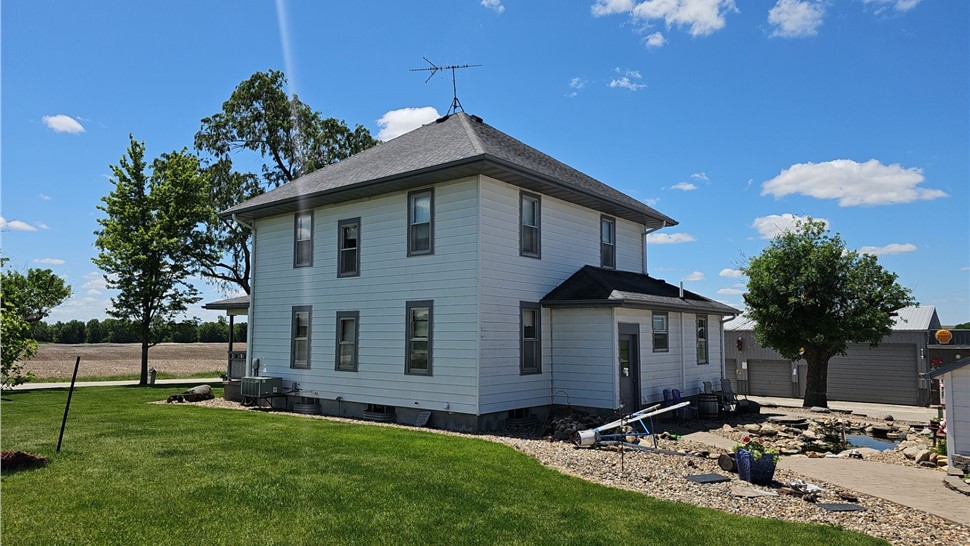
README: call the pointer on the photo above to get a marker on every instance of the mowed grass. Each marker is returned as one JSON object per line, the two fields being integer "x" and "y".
{"x": 131, "y": 472}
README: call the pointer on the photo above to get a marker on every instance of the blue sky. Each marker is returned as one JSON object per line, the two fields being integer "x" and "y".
{"x": 730, "y": 117}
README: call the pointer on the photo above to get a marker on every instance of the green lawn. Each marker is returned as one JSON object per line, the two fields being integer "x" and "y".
{"x": 137, "y": 473}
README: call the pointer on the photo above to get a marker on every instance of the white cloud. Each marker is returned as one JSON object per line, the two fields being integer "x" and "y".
{"x": 95, "y": 281}
{"x": 576, "y": 84}
{"x": 694, "y": 276}
{"x": 852, "y": 183}
{"x": 49, "y": 261}
{"x": 627, "y": 80}
{"x": 702, "y": 17}
{"x": 655, "y": 40}
{"x": 796, "y": 18}
{"x": 700, "y": 176}
{"x": 42, "y": 225}
{"x": 650, "y": 202}
{"x": 15, "y": 225}
{"x": 901, "y": 6}
{"x": 669, "y": 238}
{"x": 685, "y": 186}
{"x": 730, "y": 292}
{"x": 45, "y": 197}
{"x": 769, "y": 226}
{"x": 609, "y": 7}
{"x": 734, "y": 273}
{"x": 495, "y": 5}
{"x": 965, "y": 268}
{"x": 93, "y": 292}
{"x": 894, "y": 248}
{"x": 63, "y": 124}
{"x": 397, "y": 122}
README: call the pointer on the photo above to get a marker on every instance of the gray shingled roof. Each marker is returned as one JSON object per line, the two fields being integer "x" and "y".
{"x": 239, "y": 302}
{"x": 594, "y": 286}
{"x": 907, "y": 319}
{"x": 452, "y": 147}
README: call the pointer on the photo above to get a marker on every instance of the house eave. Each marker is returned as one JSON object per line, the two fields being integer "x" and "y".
{"x": 633, "y": 304}
{"x": 482, "y": 164}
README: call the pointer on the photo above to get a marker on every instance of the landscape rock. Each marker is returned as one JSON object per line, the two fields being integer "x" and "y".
{"x": 752, "y": 427}
{"x": 911, "y": 452}
{"x": 923, "y": 456}
{"x": 820, "y": 409}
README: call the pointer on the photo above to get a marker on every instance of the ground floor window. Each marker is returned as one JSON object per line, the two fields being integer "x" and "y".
{"x": 300, "y": 336}
{"x": 347, "y": 330}
{"x": 702, "y": 357}
{"x": 530, "y": 318}
{"x": 419, "y": 337}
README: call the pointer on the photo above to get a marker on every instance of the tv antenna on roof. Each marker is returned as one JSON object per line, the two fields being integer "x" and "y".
{"x": 455, "y": 103}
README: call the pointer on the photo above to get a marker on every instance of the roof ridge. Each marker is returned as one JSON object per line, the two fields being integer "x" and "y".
{"x": 472, "y": 135}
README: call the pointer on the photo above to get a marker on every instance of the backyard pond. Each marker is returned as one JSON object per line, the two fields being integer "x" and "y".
{"x": 865, "y": 440}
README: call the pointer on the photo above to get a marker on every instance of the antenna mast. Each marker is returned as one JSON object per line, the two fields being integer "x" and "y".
{"x": 455, "y": 103}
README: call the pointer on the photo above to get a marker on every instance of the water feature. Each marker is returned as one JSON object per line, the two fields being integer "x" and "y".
{"x": 864, "y": 440}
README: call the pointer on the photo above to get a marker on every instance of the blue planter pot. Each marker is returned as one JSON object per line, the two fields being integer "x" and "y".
{"x": 759, "y": 471}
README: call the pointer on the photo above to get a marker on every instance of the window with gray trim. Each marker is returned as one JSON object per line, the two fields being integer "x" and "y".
{"x": 661, "y": 342}
{"x": 348, "y": 247}
{"x": 421, "y": 222}
{"x": 702, "y": 340}
{"x": 418, "y": 352}
{"x": 348, "y": 328}
{"x": 530, "y": 328}
{"x": 302, "y": 316}
{"x": 608, "y": 242}
{"x": 303, "y": 239}
{"x": 529, "y": 225}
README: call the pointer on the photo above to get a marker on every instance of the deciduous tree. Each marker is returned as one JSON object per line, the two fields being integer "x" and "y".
{"x": 290, "y": 137}
{"x": 811, "y": 297}
{"x": 147, "y": 237}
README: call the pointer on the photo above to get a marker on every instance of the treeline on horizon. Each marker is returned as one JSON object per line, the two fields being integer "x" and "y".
{"x": 126, "y": 331}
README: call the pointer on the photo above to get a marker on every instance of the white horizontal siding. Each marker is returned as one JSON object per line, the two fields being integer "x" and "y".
{"x": 584, "y": 357}
{"x": 958, "y": 411}
{"x": 388, "y": 279}
{"x": 569, "y": 239}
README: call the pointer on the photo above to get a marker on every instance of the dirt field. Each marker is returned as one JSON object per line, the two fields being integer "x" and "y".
{"x": 112, "y": 359}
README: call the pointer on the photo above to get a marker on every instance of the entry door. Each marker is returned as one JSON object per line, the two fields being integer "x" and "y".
{"x": 629, "y": 372}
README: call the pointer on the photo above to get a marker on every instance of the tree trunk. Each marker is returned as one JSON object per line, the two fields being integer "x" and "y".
{"x": 817, "y": 381}
{"x": 143, "y": 378}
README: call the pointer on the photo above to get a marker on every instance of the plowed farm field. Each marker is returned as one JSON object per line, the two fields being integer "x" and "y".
{"x": 115, "y": 359}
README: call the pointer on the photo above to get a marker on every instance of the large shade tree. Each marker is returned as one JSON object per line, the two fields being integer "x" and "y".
{"x": 291, "y": 139}
{"x": 811, "y": 297}
{"x": 147, "y": 238}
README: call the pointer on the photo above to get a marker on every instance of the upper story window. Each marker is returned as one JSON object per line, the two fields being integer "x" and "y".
{"x": 303, "y": 239}
{"x": 529, "y": 216}
{"x": 300, "y": 336}
{"x": 702, "y": 340}
{"x": 347, "y": 330}
{"x": 661, "y": 341}
{"x": 608, "y": 242}
{"x": 419, "y": 326}
{"x": 531, "y": 327}
{"x": 348, "y": 248}
{"x": 421, "y": 222}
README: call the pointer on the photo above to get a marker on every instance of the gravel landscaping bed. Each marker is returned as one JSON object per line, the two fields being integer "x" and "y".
{"x": 664, "y": 476}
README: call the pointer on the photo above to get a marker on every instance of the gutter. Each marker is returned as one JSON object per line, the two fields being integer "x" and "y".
{"x": 648, "y": 231}
{"x": 250, "y": 313}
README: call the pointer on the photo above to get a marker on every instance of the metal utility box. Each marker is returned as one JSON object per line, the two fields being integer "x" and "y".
{"x": 260, "y": 387}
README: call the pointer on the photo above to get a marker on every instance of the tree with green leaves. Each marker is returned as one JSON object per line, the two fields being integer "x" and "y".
{"x": 25, "y": 299}
{"x": 290, "y": 137}
{"x": 811, "y": 297}
{"x": 146, "y": 240}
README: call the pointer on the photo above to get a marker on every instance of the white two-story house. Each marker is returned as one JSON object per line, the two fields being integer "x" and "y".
{"x": 456, "y": 270}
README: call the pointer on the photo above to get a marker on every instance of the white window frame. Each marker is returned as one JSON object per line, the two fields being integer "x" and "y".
{"x": 703, "y": 356}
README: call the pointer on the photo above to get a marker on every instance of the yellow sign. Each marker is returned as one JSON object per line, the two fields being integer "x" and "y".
{"x": 943, "y": 336}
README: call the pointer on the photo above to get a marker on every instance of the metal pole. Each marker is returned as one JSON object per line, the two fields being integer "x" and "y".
{"x": 67, "y": 407}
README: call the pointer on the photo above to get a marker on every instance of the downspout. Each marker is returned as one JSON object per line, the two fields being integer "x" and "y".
{"x": 252, "y": 296}
{"x": 648, "y": 231}
{"x": 683, "y": 346}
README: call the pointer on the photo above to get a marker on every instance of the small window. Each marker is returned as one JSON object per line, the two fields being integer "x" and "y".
{"x": 303, "y": 240}
{"x": 608, "y": 242}
{"x": 419, "y": 338}
{"x": 348, "y": 248}
{"x": 660, "y": 334}
{"x": 531, "y": 348}
{"x": 529, "y": 236}
{"x": 300, "y": 347}
{"x": 347, "y": 331}
{"x": 421, "y": 222}
{"x": 702, "y": 340}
